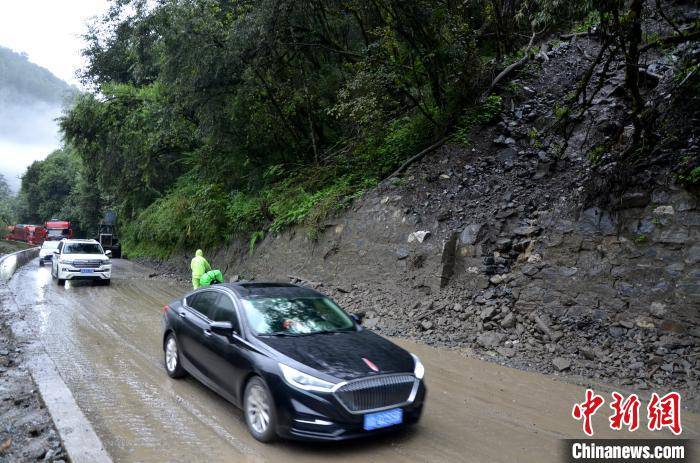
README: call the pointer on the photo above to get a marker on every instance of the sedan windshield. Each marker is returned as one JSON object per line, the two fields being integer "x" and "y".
{"x": 295, "y": 316}
{"x": 82, "y": 248}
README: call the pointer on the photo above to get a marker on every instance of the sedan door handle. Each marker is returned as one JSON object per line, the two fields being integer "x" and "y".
{"x": 182, "y": 314}
{"x": 207, "y": 333}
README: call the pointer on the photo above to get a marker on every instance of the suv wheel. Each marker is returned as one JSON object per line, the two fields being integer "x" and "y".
{"x": 259, "y": 411}
{"x": 172, "y": 358}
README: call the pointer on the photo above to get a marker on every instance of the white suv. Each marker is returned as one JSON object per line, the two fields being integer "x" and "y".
{"x": 81, "y": 259}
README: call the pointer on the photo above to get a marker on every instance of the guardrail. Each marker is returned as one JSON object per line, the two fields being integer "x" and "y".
{"x": 11, "y": 262}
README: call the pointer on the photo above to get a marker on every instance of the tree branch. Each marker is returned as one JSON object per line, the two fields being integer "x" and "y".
{"x": 419, "y": 156}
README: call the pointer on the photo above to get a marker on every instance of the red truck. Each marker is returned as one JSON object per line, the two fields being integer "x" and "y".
{"x": 57, "y": 230}
{"x": 18, "y": 232}
{"x": 35, "y": 234}
{"x": 32, "y": 234}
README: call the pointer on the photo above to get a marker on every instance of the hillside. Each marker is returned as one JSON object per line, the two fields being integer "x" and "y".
{"x": 31, "y": 99}
{"x": 22, "y": 81}
{"x": 506, "y": 247}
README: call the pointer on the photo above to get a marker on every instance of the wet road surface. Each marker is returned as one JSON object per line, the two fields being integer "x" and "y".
{"x": 106, "y": 345}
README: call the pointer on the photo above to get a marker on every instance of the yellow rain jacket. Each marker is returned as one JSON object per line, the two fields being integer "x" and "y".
{"x": 199, "y": 266}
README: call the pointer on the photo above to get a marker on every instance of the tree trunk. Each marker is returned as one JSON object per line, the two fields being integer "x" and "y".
{"x": 634, "y": 38}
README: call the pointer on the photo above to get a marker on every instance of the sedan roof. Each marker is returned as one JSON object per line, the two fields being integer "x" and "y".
{"x": 270, "y": 289}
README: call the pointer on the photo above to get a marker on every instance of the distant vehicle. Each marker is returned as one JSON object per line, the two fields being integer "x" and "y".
{"x": 58, "y": 230}
{"x": 18, "y": 232}
{"x": 81, "y": 260}
{"x": 297, "y": 364}
{"x": 46, "y": 252}
{"x": 35, "y": 234}
{"x": 107, "y": 234}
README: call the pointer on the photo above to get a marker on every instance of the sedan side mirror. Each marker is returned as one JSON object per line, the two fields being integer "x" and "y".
{"x": 358, "y": 317}
{"x": 221, "y": 328}
{"x": 108, "y": 253}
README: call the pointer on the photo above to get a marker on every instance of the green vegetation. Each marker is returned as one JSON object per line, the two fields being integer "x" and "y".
{"x": 57, "y": 187}
{"x": 476, "y": 115}
{"x": 688, "y": 171}
{"x": 595, "y": 154}
{"x": 214, "y": 119}
{"x": 7, "y": 206}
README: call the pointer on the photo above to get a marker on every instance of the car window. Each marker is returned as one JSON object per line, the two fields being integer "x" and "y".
{"x": 225, "y": 311}
{"x": 294, "y": 316}
{"x": 82, "y": 248}
{"x": 50, "y": 245}
{"x": 205, "y": 303}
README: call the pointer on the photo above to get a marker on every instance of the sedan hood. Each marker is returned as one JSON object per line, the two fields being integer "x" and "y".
{"x": 341, "y": 354}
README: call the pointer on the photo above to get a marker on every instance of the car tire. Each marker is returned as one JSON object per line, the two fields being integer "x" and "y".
{"x": 61, "y": 282}
{"x": 171, "y": 358}
{"x": 259, "y": 410}
{"x": 107, "y": 282}
{"x": 41, "y": 263}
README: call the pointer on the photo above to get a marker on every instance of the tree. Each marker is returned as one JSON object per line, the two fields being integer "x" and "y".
{"x": 7, "y": 206}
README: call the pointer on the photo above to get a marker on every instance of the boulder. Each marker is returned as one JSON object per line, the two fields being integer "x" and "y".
{"x": 526, "y": 230}
{"x": 508, "y": 321}
{"x": 488, "y": 313}
{"x": 418, "y": 236}
{"x": 490, "y": 339}
{"x": 561, "y": 363}
{"x": 470, "y": 234}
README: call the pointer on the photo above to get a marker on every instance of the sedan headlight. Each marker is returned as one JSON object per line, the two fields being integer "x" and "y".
{"x": 304, "y": 381}
{"x": 418, "y": 369}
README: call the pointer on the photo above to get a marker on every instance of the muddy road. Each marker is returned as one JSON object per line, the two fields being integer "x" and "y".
{"x": 105, "y": 343}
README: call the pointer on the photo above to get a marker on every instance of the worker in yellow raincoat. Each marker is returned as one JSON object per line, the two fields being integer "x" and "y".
{"x": 199, "y": 266}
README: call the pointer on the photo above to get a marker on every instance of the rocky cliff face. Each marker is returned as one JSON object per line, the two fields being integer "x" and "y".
{"x": 523, "y": 253}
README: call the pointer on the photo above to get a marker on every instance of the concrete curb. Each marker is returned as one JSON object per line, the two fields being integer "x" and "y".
{"x": 78, "y": 436}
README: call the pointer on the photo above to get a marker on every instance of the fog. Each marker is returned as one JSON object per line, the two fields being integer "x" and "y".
{"x": 28, "y": 132}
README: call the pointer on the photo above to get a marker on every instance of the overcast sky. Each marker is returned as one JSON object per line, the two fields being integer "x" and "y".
{"x": 49, "y": 32}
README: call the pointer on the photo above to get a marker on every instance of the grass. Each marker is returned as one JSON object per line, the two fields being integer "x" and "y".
{"x": 8, "y": 247}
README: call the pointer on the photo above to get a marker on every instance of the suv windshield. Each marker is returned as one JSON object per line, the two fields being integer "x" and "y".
{"x": 295, "y": 316}
{"x": 50, "y": 244}
{"x": 56, "y": 233}
{"x": 82, "y": 248}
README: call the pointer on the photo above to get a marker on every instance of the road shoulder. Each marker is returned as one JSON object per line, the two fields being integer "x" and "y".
{"x": 44, "y": 421}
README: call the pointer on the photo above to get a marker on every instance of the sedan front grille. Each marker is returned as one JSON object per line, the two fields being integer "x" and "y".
{"x": 376, "y": 392}
{"x": 87, "y": 263}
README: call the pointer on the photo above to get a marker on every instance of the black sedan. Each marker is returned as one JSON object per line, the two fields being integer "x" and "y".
{"x": 297, "y": 364}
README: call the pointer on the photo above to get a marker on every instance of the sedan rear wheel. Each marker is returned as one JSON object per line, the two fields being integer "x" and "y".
{"x": 259, "y": 409}
{"x": 172, "y": 358}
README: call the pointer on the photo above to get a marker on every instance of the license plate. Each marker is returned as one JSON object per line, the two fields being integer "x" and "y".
{"x": 383, "y": 419}
{"x": 86, "y": 270}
